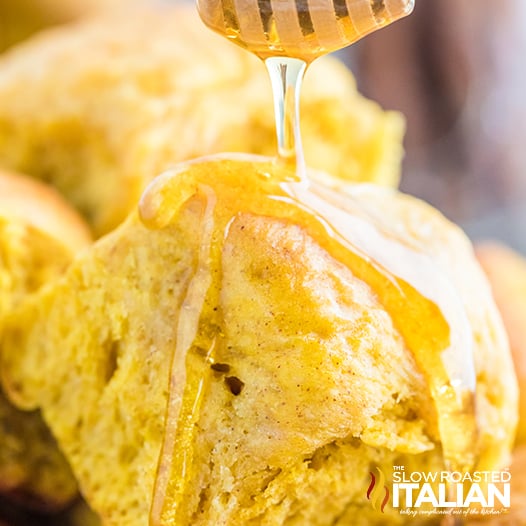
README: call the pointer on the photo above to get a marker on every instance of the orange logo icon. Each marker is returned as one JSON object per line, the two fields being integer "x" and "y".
{"x": 377, "y": 489}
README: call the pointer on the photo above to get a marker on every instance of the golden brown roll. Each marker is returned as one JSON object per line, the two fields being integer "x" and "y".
{"x": 516, "y": 515}
{"x": 506, "y": 271}
{"x": 39, "y": 235}
{"x": 114, "y": 102}
{"x": 247, "y": 349}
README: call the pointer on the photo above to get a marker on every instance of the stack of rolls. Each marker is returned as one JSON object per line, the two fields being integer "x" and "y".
{"x": 236, "y": 347}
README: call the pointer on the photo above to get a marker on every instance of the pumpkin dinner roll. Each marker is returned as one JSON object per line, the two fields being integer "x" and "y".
{"x": 246, "y": 349}
{"x": 39, "y": 235}
{"x": 516, "y": 515}
{"x": 506, "y": 271}
{"x": 100, "y": 107}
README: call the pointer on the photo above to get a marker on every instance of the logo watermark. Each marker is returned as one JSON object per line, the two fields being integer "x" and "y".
{"x": 377, "y": 492}
{"x": 441, "y": 492}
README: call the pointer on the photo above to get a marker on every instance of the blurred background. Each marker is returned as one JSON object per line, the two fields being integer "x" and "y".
{"x": 456, "y": 69}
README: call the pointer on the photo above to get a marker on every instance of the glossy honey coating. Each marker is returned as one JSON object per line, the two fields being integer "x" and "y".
{"x": 236, "y": 361}
{"x": 298, "y": 28}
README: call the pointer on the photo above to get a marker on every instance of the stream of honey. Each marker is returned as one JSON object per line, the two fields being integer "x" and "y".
{"x": 288, "y": 35}
{"x": 420, "y": 300}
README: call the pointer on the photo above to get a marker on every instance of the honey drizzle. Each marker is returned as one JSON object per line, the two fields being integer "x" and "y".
{"x": 449, "y": 373}
{"x": 187, "y": 383}
{"x": 267, "y": 190}
{"x": 286, "y": 75}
